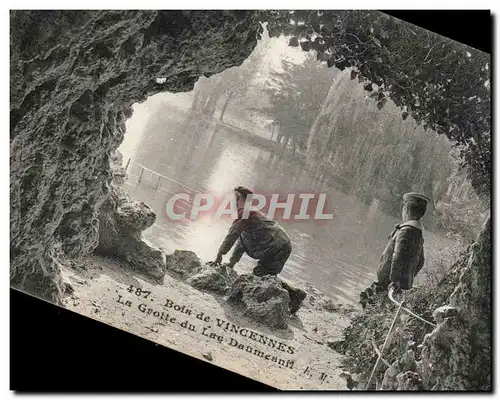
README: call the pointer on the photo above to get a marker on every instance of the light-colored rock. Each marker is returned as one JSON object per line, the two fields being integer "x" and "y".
{"x": 121, "y": 222}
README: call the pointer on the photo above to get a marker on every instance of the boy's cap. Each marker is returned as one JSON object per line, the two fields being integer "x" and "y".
{"x": 416, "y": 198}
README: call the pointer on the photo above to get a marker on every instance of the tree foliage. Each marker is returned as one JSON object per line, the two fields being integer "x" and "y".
{"x": 374, "y": 153}
{"x": 232, "y": 84}
{"x": 296, "y": 95}
{"x": 442, "y": 84}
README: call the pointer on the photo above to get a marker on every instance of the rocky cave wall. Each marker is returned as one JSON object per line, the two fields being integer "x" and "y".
{"x": 74, "y": 77}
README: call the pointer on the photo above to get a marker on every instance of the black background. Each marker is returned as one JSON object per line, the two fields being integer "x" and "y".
{"x": 55, "y": 350}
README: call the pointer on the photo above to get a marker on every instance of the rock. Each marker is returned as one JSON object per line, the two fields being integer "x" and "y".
{"x": 351, "y": 383}
{"x": 120, "y": 234}
{"x": 186, "y": 265}
{"x": 68, "y": 288}
{"x": 390, "y": 381}
{"x": 118, "y": 172}
{"x": 262, "y": 299}
{"x": 183, "y": 264}
{"x": 392, "y": 376}
{"x": 336, "y": 345}
{"x": 210, "y": 279}
{"x": 409, "y": 381}
{"x": 443, "y": 312}
{"x": 74, "y": 76}
{"x": 135, "y": 216}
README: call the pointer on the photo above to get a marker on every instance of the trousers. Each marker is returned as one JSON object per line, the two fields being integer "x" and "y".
{"x": 273, "y": 260}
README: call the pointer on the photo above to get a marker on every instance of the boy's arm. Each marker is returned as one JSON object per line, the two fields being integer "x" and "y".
{"x": 421, "y": 261}
{"x": 404, "y": 249}
{"x": 238, "y": 252}
{"x": 234, "y": 233}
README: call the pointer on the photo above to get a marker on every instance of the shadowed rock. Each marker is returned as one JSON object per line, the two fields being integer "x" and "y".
{"x": 262, "y": 299}
{"x": 182, "y": 264}
{"x": 186, "y": 265}
{"x": 213, "y": 279}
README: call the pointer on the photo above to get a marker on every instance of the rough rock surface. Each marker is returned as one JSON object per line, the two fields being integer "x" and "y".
{"x": 74, "y": 77}
{"x": 213, "y": 279}
{"x": 121, "y": 222}
{"x": 182, "y": 264}
{"x": 455, "y": 354}
{"x": 262, "y": 299}
{"x": 186, "y": 265}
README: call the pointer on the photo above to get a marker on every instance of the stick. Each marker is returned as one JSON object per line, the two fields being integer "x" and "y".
{"x": 380, "y": 355}
{"x": 385, "y": 344}
{"x": 407, "y": 310}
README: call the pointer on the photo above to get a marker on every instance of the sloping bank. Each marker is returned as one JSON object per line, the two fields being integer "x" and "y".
{"x": 455, "y": 355}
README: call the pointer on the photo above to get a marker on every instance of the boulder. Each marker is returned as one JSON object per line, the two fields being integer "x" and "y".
{"x": 121, "y": 222}
{"x": 266, "y": 300}
{"x": 135, "y": 216}
{"x": 212, "y": 279}
{"x": 262, "y": 299}
{"x": 186, "y": 265}
{"x": 183, "y": 264}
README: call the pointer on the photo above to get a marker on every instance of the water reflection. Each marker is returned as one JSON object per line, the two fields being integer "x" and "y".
{"x": 338, "y": 256}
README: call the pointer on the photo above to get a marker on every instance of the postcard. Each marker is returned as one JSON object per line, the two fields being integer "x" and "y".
{"x": 300, "y": 197}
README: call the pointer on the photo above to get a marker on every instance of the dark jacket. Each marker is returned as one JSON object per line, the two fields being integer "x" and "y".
{"x": 403, "y": 258}
{"x": 256, "y": 235}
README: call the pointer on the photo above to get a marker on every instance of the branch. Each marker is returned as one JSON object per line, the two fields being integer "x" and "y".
{"x": 380, "y": 355}
{"x": 352, "y": 34}
{"x": 425, "y": 59}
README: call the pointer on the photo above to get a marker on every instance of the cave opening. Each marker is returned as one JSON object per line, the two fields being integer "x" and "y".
{"x": 73, "y": 87}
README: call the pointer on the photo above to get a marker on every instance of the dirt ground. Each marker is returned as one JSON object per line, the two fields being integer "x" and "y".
{"x": 180, "y": 317}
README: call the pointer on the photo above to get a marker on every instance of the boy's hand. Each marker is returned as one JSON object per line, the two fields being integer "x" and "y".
{"x": 395, "y": 286}
{"x": 218, "y": 259}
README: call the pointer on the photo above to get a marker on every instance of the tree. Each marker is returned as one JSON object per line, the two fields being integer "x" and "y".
{"x": 229, "y": 85}
{"x": 296, "y": 95}
{"x": 441, "y": 83}
{"x": 206, "y": 96}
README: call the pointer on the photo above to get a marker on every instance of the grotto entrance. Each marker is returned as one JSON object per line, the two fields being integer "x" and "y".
{"x": 73, "y": 83}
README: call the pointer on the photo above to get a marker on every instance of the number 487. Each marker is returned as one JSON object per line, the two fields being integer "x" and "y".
{"x": 138, "y": 291}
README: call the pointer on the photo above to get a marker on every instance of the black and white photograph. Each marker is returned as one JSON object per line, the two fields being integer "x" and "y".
{"x": 300, "y": 197}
